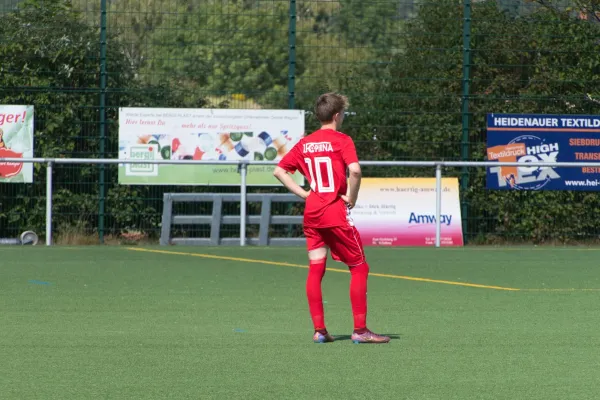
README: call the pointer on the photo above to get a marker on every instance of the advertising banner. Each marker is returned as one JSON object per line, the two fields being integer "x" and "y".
{"x": 543, "y": 138}
{"x": 205, "y": 134}
{"x": 16, "y": 141}
{"x": 401, "y": 212}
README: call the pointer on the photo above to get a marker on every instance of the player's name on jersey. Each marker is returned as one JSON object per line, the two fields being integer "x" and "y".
{"x": 317, "y": 147}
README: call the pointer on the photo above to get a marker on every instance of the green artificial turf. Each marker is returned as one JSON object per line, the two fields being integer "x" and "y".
{"x": 113, "y": 323}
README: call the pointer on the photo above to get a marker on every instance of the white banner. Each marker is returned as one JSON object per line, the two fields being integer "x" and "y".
{"x": 401, "y": 212}
{"x": 205, "y": 134}
{"x": 16, "y": 141}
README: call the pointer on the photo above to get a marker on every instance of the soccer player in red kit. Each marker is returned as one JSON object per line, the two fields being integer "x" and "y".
{"x": 323, "y": 157}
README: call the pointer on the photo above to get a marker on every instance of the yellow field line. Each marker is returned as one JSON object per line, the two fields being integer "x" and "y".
{"x": 284, "y": 264}
{"x": 562, "y": 290}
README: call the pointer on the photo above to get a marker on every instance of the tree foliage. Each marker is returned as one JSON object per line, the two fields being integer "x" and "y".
{"x": 404, "y": 78}
{"x": 51, "y": 60}
{"x": 217, "y": 47}
{"x": 542, "y": 62}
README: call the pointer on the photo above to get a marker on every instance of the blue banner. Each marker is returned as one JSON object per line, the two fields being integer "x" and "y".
{"x": 543, "y": 138}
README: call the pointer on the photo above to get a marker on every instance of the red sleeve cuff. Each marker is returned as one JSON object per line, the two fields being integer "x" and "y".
{"x": 286, "y": 167}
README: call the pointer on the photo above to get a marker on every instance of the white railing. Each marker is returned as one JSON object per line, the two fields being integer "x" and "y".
{"x": 243, "y": 166}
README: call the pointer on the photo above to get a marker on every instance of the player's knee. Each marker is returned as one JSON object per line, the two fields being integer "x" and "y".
{"x": 362, "y": 268}
{"x": 317, "y": 261}
{"x": 317, "y": 266}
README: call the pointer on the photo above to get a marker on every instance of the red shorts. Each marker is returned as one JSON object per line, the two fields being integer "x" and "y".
{"x": 343, "y": 241}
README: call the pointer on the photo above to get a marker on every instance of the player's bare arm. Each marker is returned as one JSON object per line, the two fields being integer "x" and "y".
{"x": 353, "y": 184}
{"x": 287, "y": 181}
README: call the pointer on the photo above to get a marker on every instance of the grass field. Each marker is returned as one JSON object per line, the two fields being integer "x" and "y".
{"x": 231, "y": 323}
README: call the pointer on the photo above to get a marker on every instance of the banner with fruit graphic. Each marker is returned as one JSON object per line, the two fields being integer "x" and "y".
{"x": 205, "y": 134}
{"x": 16, "y": 141}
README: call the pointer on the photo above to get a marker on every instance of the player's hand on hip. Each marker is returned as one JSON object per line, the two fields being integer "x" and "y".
{"x": 347, "y": 201}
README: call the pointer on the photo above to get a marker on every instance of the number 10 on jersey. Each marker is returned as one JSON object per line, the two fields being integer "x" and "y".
{"x": 322, "y": 166}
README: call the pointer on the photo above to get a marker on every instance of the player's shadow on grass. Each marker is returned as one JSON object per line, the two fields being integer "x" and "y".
{"x": 348, "y": 337}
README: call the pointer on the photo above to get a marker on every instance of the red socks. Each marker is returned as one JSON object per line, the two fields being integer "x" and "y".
{"x": 313, "y": 293}
{"x": 358, "y": 296}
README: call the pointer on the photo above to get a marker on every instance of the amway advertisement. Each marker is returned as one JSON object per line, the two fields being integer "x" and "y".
{"x": 401, "y": 212}
{"x": 543, "y": 138}
{"x": 16, "y": 141}
{"x": 205, "y": 134}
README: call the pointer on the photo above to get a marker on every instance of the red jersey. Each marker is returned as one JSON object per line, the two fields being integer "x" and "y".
{"x": 323, "y": 157}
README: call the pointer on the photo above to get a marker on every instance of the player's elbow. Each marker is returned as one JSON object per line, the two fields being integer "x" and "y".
{"x": 354, "y": 170}
{"x": 356, "y": 173}
{"x": 279, "y": 172}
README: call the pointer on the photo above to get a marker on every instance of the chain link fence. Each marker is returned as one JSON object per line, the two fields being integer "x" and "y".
{"x": 421, "y": 77}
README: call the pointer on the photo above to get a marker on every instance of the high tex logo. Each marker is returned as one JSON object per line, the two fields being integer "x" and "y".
{"x": 524, "y": 148}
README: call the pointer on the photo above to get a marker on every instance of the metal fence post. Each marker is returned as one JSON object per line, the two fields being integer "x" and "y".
{"x": 292, "y": 56}
{"x": 243, "y": 197}
{"x": 49, "y": 203}
{"x": 438, "y": 204}
{"x": 291, "y": 74}
{"x": 464, "y": 149}
{"x": 102, "y": 127}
